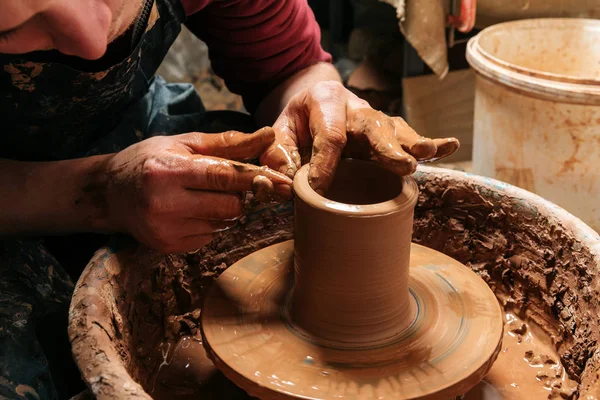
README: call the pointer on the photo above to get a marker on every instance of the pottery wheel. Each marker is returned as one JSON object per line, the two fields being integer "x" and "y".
{"x": 448, "y": 347}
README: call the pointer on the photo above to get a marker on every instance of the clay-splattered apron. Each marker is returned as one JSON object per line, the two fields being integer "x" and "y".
{"x": 52, "y": 111}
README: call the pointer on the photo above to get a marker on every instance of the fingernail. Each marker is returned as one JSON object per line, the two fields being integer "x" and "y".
{"x": 262, "y": 187}
{"x": 288, "y": 170}
{"x": 447, "y": 148}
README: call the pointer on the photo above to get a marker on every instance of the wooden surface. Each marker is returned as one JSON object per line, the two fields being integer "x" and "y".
{"x": 443, "y": 108}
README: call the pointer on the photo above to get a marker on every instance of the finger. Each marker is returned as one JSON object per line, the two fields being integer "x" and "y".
{"x": 327, "y": 124}
{"x": 282, "y": 155}
{"x": 211, "y": 206}
{"x": 416, "y": 145}
{"x": 190, "y": 234}
{"x": 265, "y": 192}
{"x": 218, "y": 174}
{"x": 208, "y": 205}
{"x": 232, "y": 145}
{"x": 196, "y": 242}
{"x": 445, "y": 147}
{"x": 379, "y": 131}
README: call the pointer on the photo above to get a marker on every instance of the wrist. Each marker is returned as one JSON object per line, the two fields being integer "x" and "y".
{"x": 91, "y": 197}
{"x": 58, "y": 197}
{"x": 274, "y": 103}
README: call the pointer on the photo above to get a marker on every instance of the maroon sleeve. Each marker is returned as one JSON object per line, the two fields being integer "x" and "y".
{"x": 255, "y": 45}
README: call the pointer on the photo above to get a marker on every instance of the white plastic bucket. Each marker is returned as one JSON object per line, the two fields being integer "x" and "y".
{"x": 491, "y": 12}
{"x": 537, "y": 109}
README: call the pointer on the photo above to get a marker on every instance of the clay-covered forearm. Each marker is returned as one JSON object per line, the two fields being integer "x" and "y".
{"x": 274, "y": 103}
{"x": 45, "y": 198}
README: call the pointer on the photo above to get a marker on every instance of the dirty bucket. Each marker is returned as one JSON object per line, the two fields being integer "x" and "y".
{"x": 537, "y": 109}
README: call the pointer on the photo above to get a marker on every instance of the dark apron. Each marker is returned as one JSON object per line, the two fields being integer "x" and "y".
{"x": 51, "y": 111}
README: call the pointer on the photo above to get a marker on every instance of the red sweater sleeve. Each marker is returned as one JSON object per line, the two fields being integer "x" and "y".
{"x": 256, "y": 44}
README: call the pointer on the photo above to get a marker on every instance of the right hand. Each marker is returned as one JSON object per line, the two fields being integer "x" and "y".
{"x": 172, "y": 193}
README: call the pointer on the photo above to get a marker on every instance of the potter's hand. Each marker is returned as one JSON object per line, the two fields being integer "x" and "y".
{"x": 173, "y": 193}
{"x": 328, "y": 120}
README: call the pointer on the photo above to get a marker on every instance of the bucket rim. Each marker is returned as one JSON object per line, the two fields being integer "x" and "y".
{"x": 545, "y": 85}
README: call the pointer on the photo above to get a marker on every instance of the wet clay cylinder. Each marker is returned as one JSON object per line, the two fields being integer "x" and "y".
{"x": 352, "y": 255}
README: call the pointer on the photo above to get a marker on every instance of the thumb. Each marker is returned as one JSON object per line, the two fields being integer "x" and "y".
{"x": 231, "y": 145}
{"x": 282, "y": 155}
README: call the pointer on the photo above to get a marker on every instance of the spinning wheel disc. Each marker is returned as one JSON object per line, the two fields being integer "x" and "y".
{"x": 449, "y": 346}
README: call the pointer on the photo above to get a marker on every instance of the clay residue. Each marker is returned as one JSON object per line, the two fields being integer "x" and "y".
{"x": 187, "y": 373}
{"x": 534, "y": 264}
{"x": 526, "y": 368}
{"x": 22, "y": 74}
{"x": 26, "y": 390}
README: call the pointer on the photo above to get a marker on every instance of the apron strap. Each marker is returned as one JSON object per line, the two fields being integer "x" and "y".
{"x": 141, "y": 22}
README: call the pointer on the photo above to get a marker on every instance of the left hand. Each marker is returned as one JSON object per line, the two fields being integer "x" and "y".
{"x": 327, "y": 121}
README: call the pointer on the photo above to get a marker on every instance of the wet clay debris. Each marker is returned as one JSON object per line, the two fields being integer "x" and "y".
{"x": 527, "y": 367}
{"x": 534, "y": 264}
{"x": 187, "y": 373}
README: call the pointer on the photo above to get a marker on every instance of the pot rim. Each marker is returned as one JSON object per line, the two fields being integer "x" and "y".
{"x": 407, "y": 198}
{"x": 538, "y": 84}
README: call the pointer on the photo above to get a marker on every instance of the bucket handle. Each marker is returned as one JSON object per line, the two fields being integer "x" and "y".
{"x": 465, "y": 20}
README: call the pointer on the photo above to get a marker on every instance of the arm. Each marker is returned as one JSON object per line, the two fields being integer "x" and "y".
{"x": 171, "y": 193}
{"x": 270, "y": 53}
{"x": 52, "y": 197}
{"x": 256, "y": 46}
{"x": 274, "y": 103}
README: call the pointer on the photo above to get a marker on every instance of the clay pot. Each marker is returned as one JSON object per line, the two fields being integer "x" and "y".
{"x": 365, "y": 219}
{"x": 540, "y": 260}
